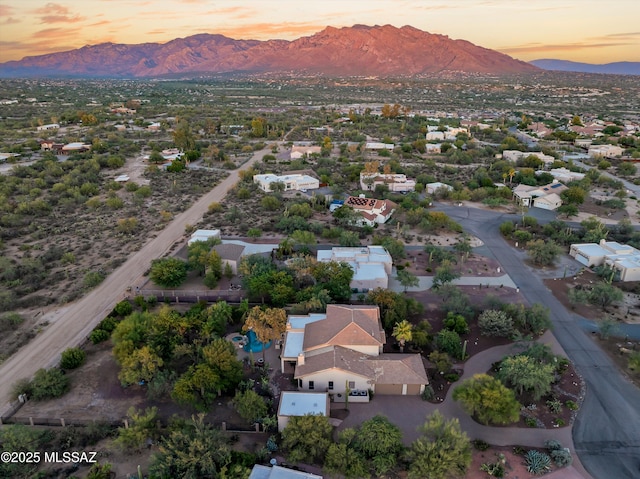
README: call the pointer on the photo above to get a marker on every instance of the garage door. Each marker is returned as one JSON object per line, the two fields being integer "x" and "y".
{"x": 388, "y": 388}
{"x": 413, "y": 389}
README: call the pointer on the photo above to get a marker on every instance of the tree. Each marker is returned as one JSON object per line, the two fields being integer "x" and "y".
{"x": 526, "y": 374}
{"x": 444, "y": 274}
{"x": 442, "y": 452}
{"x": 449, "y": 342}
{"x": 197, "y": 387}
{"x": 603, "y": 294}
{"x": 402, "y": 333}
{"x": 394, "y": 247}
{"x": 441, "y": 361}
{"x": 463, "y": 247}
{"x": 543, "y": 252}
{"x": 15, "y": 438}
{"x": 72, "y": 358}
{"x": 341, "y": 459}
{"x": 142, "y": 426}
{"x": 250, "y": 405}
{"x": 379, "y": 441}
{"x": 495, "y": 323}
{"x": 407, "y": 279}
{"x": 139, "y": 366}
{"x": 221, "y": 357}
{"x": 193, "y": 451}
{"x": 183, "y": 137}
{"x": 268, "y": 324}
{"x": 307, "y": 438}
{"x": 335, "y": 277}
{"x": 304, "y": 238}
{"x": 168, "y": 272}
{"x": 575, "y": 195}
{"x": 202, "y": 258}
{"x": 487, "y": 399}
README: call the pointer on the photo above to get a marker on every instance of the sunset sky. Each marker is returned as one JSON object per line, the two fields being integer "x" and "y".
{"x": 593, "y": 31}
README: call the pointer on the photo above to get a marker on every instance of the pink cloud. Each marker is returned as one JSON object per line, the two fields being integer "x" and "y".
{"x": 5, "y": 10}
{"x": 532, "y": 48}
{"x": 56, "y": 13}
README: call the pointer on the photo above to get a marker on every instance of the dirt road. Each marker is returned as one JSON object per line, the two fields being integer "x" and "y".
{"x": 71, "y": 324}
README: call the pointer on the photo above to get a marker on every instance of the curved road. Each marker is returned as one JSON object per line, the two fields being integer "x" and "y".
{"x": 606, "y": 433}
{"x": 71, "y": 324}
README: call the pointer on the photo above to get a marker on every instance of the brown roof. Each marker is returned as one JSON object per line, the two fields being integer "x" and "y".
{"x": 383, "y": 369}
{"x": 399, "y": 369}
{"x": 229, "y": 251}
{"x": 345, "y": 326}
{"x": 335, "y": 357}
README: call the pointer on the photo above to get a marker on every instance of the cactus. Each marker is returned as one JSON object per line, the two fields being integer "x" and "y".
{"x": 537, "y": 462}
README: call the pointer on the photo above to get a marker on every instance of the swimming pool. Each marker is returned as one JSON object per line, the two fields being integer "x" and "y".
{"x": 237, "y": 339}
{"x": 253, "y": 344}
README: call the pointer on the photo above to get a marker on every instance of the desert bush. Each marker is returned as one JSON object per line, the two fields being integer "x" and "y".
{"x": 495, "y": 323}
{"x": 456, "y": 322}
{"x": 123, "y": 308}
{"x": 92, "y": 279}
{"x": 562, "y": 457}
{"x": 480, "y": 445}
{"x": 553, "y": 445}
{"x": 449, "y": 342}
{"x": 72, "y": 358}
{"x": 428, "y": 394}
{"x": 98, "y": 336}
{"x": 49, "y": 384}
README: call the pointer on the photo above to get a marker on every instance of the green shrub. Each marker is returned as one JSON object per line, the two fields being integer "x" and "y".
{"x": 449, "y": 342}
{"x": 49, "y": 384}
{"x": 92, "y": 279}
{"x": 506, "y": 228}
{"x": 21, "y": 386}
{"x": 530, "y": 422}
{"x": 480, "y": 445}
{"x": 108, "y": 324}
{"x": 537, "y": 462}
{"x": 555, "y": 406}
{"x": 456, "y": 322}
{"x": 571, "y": 405}
{"x": 428, "y": 394}
{"x": 562, "y": 457}
{"x": 98, "y": 336}
{"x": 123, "y": 308}
{"x": 553, "y": 445}
{"x": 72, "y": 358}
{"x": 522, "y": 236}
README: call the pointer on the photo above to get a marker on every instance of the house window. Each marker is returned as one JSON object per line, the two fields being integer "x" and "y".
{"x": 330, "y": 385}
{"x": 311, "y": 385}
{"x": 352, "y": 384}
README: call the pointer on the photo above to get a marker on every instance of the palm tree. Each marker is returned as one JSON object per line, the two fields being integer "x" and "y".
{"x": 402, "y": 331}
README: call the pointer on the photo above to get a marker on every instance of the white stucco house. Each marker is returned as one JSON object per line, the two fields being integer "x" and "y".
{"x": 605, "y": 151}
{"x": 515, "y": 155}
{"x": 624, "y": 259}
{"x": 296, "y": 182}
{"x": 396, "y": 182}
{"x": 433, "y": 187}
{"x": 298, "y": 152}
{"x": 371, "y": 265}
{"x": 341, "y": 354}
{"x": 527, "y": 195}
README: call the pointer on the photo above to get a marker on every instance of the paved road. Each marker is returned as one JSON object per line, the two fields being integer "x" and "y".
{"x": 606, "y": 433}
{"x": 71, "y": 324}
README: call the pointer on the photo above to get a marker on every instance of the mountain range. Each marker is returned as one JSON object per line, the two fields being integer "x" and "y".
{"x": 360, "y": 50}
{"x": 618, "y": 68}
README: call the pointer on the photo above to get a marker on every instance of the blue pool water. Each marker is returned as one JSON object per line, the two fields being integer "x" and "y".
{"x": 253, "y": 344}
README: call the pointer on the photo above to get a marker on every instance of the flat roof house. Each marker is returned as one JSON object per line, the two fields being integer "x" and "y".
{"x": 624, "y": 259}
{"x": 277, "y": 472}
{"x": 291, "y": 182}
{"x": 395, "y": 182}
{"x": 203, "y": 235}
{"x": 371, "y": 265}
{"x": 230, "y": 254}
{"x": 296, "y": 403}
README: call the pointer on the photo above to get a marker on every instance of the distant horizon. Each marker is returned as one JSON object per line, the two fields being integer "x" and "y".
{"x": 522, "y": 29}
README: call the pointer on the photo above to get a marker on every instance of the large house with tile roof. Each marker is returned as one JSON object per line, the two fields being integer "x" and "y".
{"x": 545, "y": 197}
{"x": 340, "y": 353}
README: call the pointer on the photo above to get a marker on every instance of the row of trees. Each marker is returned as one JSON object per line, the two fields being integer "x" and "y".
{"x": 375, "y": 448}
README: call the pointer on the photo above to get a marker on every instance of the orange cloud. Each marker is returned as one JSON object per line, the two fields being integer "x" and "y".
{"x": 268, "y": 30}
{"x": 538, "y": 47}
{"x": 5, "y": 10}
{"x": 56, "y": 13}
{"x": 234, "y": 12}
{"x": 56, "y": 33}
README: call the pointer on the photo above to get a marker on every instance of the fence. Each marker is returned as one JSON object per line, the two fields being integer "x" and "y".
{"x": 180, "y": 296}
{"x": 114, "y": 423}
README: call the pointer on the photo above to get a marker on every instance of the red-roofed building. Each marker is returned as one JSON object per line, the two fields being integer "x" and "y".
{"x": 372, "y": 211}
